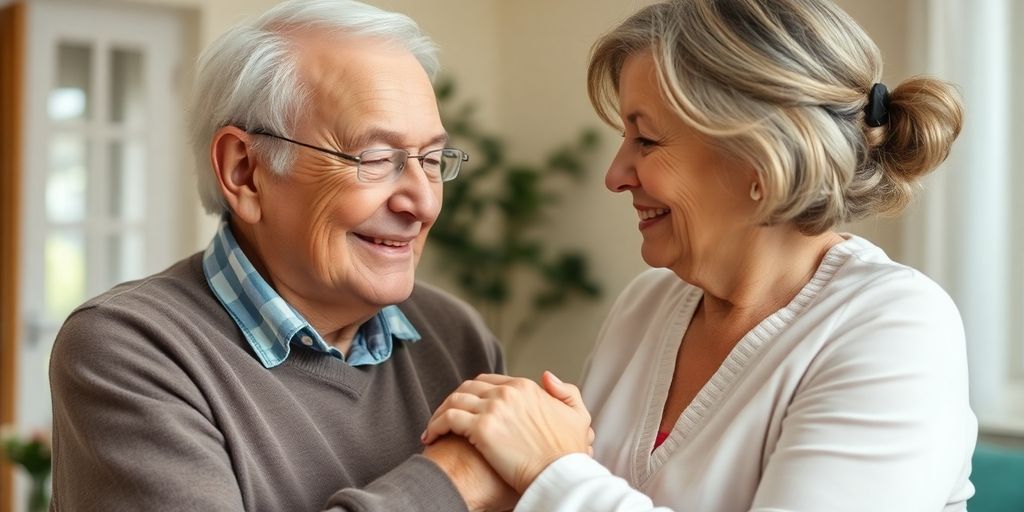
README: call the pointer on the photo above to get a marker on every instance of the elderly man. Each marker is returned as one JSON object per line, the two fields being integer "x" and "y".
{"x": 293, "y": 364}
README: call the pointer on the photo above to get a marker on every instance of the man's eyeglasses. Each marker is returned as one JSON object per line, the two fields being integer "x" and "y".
{"x": 386, "y": 165}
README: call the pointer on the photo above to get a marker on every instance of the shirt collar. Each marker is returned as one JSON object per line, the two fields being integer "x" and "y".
{"x": 271, "y": 325}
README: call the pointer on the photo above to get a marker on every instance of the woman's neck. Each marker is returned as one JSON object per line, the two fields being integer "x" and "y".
{"x": 761, "y": 275}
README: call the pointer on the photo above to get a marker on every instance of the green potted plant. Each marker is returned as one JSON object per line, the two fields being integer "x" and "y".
{"x": 488, "y": 237}
{"x": 32, "y": 453}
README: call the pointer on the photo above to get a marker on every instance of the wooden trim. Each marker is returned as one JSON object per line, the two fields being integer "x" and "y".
{"x": 12, "y": 62}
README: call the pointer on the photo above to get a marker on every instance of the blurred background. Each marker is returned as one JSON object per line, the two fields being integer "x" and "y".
{"x": 97, "y": 184}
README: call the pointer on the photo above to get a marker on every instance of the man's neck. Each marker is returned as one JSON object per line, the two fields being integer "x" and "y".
{"x": 336, "y": 323}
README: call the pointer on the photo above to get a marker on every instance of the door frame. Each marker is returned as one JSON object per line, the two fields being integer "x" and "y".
{"x": 12, "y": 55}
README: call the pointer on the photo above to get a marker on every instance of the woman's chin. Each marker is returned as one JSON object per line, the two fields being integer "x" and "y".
{"x": 653, "y": 255}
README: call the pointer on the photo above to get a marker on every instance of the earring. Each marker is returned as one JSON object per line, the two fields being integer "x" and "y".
{"x": 755, "y": 191}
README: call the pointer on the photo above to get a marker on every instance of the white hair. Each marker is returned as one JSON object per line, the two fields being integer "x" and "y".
{"x": 248, "y": 77}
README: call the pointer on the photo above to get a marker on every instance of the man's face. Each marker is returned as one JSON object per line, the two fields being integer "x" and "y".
{"x": 331, "y": 244}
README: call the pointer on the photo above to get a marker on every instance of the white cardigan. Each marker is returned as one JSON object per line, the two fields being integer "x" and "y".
{"x": 851, "y": 398}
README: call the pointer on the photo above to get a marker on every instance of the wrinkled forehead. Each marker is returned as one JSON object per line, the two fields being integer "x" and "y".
{"x": 350, "y": 80}
{"x": 638, "y": 83}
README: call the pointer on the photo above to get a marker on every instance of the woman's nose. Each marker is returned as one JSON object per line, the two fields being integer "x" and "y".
{"x": 621, "y": 175}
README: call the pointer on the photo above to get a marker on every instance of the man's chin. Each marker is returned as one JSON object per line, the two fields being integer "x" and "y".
{"x": 391, "y": 290}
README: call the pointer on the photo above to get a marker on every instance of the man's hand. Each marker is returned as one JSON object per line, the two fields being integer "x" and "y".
{"x": 481, "y": 488}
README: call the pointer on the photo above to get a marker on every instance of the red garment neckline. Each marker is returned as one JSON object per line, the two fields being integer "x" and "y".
{"x": 660, "y": 439}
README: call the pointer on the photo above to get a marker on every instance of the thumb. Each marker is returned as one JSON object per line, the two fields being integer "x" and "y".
{"x": 567, "y": 393}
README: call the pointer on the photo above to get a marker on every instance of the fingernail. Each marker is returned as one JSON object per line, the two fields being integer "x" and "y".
{"x": 423, "y": 437}
{"x": 555, "y": 377}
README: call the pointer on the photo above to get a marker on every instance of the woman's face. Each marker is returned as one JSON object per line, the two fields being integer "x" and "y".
{"x": 693, "y": 200}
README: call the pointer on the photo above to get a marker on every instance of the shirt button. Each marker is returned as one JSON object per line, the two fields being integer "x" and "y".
{"x": 307, "y": 341}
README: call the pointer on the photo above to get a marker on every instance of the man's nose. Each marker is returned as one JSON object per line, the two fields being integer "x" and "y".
{"x": 416, "y": 194}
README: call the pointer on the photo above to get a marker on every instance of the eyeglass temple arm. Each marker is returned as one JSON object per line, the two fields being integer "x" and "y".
{"x": 338, "y": 154}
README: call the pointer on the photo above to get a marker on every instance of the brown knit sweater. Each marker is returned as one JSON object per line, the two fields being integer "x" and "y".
{"x": 160, "y": 404}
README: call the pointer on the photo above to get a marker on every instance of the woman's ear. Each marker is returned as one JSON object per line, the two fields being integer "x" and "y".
{"x": 757, "y": 191}
{"x": 231, "y": 154}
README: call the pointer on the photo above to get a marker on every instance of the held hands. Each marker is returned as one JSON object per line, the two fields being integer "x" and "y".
{"x": 519, "y": 427}
{"x": 481, "y": 488}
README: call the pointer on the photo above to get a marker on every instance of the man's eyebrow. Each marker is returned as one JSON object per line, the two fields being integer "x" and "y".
{"x": 391, "y": 139}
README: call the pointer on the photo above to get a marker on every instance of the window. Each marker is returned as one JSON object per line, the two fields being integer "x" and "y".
{"x": 968, "y": 229}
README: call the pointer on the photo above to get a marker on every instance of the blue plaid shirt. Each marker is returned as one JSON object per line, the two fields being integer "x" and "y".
{"x": 271, "y": 325}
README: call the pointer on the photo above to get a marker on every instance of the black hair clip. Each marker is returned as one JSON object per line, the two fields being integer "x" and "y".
{"x": 877, "y": 110}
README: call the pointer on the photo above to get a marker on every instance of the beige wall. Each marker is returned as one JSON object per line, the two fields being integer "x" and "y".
{"x": 525, "y": 62}
{"x": 544, "y": 103}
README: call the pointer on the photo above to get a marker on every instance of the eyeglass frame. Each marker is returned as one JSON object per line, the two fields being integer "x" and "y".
{"x": 357, "y": 159}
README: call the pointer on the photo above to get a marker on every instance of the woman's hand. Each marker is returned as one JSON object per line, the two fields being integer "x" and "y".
{"x": 519, "y": 427}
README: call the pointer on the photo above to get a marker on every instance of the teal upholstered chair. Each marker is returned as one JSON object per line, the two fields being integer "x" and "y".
{"x": 998, "y": 477}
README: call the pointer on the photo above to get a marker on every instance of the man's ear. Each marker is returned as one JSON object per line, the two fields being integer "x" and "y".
{"x": 235, "y": 166}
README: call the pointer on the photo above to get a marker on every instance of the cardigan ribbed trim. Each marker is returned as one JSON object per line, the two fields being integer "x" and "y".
{"x": 645, "y": 461}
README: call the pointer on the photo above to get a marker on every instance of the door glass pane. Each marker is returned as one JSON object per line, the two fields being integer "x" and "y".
{"x": 66, "y": 181}
{"x": 126, "y": 183}
{"x": 124, "y": 256}
{"x": 70, "y": 98}
{"x": 126, "y": 87}
{"x": 64, "y": 272}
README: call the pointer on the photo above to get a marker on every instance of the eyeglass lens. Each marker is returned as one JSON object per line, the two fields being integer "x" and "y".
{"x": 376, "y": 165}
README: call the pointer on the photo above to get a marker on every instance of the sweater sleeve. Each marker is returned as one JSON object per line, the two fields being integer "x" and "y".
{"x": 416, "y": 485}
{"x": 131, "y": 431}
{"x": 881, "y": 420}
{"x": 577, "y": 482}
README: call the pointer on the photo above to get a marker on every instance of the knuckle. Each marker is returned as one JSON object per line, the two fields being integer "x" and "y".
{"x": 493, "y": 406}
{"x": 505, "y": 392}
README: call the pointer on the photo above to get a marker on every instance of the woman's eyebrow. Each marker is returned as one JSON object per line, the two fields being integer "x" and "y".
{"x": 634, "y": 116}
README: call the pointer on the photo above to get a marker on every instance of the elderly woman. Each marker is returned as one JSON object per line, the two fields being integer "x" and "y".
{"x": 769, "y": 362}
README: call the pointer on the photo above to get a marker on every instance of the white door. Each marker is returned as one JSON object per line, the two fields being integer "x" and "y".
{"x": 103, "y": 166}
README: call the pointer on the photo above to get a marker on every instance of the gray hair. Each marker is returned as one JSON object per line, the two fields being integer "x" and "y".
{"x": 248, "y": 77}
{"x": 782, "y": 85}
